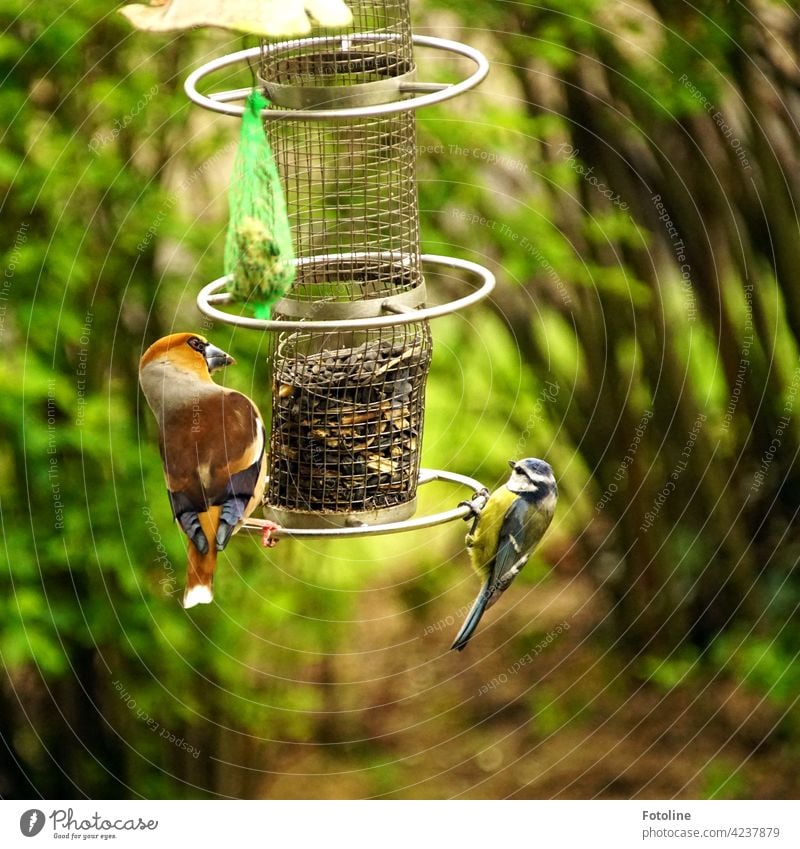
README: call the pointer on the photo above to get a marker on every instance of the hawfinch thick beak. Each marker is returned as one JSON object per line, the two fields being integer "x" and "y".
{"x": 217, "y": 358}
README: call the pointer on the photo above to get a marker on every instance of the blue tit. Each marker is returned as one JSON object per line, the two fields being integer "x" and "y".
{"x": 505, "y": 532}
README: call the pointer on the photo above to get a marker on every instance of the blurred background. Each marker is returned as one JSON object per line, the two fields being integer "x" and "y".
{"x": 631, "y": 172}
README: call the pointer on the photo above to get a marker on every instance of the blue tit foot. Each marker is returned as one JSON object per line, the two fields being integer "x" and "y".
{"x": 475, "y": 505}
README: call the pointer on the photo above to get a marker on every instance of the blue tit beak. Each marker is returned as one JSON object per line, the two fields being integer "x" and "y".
{"x": 217, "y": 358}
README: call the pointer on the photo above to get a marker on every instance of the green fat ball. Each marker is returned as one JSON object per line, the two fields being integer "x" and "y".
{"x": 259, "y": 272}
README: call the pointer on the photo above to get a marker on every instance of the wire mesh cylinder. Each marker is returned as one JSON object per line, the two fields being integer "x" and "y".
{"x": 377, "y": 46}
{"x": 350, "y": 184}
{"x": 351, "y": 194}
{"x": 347, "y": 420}
{"x": 347, "y": 412}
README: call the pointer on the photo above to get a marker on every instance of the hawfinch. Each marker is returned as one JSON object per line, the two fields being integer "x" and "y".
{"x": 212, "y": 446}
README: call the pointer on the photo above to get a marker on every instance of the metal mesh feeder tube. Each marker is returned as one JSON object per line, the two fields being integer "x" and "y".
{"x": 365, "y": 64}
{"x": 350, "y": 182}
{"x": 351, "y": 191}
{"x": 347, "y": 406}
{"x": 347, "y": 419}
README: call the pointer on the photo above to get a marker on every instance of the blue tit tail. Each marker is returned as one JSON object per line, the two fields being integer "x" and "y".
{"x": 473, "y": 617}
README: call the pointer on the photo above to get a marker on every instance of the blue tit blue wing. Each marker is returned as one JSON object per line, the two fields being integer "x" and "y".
{"x": 510, "y": 558}
{"x": 512, "y": 553}
{"x": 473, "y": 617}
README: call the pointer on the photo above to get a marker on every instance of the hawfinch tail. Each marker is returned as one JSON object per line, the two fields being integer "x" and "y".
{"x": 212, "y": 446}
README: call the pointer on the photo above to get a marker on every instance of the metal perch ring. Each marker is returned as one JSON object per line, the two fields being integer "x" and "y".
{"x": 427, "y": 93}
{"x": 362, "y": 530}
{"x": 210, "y": 294}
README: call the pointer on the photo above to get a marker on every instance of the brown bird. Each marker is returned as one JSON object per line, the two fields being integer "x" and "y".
{"x": 212, "y": 443}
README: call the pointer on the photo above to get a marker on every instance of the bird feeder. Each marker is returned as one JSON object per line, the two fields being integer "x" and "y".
{"x": 351, "y": 340}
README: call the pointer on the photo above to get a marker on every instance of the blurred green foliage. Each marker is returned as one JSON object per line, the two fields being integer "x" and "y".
{"x": 317, "y": 660}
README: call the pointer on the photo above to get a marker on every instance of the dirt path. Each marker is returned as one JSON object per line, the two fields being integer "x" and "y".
{"x": 535, "y": 708}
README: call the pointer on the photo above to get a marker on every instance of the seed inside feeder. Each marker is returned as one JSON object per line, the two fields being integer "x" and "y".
{"x": 347, "y": 424}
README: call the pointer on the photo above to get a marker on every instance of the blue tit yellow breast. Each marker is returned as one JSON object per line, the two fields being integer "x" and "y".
{"x": 483, "y": 543}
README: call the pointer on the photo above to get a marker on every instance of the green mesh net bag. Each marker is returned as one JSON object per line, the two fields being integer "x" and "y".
{"x": 258, "y": 247}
